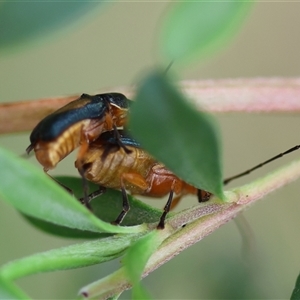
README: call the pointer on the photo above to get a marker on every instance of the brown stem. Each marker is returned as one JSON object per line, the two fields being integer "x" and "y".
{"x": 222, "y": 95}
{"x": 24, "y": 115}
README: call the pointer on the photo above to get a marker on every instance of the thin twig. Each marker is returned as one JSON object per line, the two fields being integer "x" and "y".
{"x": 226, "y": 95}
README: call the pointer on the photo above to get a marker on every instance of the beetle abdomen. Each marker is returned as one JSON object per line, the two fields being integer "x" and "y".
{"x": 49, "y": 154}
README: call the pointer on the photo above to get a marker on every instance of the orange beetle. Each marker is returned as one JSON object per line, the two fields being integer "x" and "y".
{"x": 108, "y": 165}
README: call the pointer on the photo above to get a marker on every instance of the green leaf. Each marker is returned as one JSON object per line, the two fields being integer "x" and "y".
{"x": 74, "y": 256}
{"x": 296, "y": 291}
{"x": 8, "y": 290}
{"x": 139, "y": 253}
{"x": 106, "y": 207}
{"x": 195, "y": 28}
{"x": 63, "y": 231}
{"x": 35, "y": 194}
{"x": 139, "y": 292}
{"x": 185, "y": 140}
{"x": 137, "y": 257}
{"x": 20, "y": 22}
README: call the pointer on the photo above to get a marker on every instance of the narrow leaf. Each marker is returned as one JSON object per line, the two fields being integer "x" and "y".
{"x": 106, "y": 207}
{"x": 139, "y": 292}
{"x": 35, "y": 194}
{"x": 109, "y": 205}
{"x": 198, "y": 27}
{"x": 185, "y": 140}
{"x": 8, "y": 290}
{"x": 134, "y": 262}
{"x": 137, "y": 257}
{"x": 74, "y": 256}
{"x": 62, "y": 231}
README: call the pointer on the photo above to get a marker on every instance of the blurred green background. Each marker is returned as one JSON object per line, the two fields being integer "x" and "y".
{"x": 113, "y": 46}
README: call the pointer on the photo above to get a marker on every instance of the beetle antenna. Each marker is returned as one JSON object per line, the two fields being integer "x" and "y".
{"x": 227, "y": 180}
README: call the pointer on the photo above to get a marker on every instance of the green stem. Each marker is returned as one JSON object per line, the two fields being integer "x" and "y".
{"x": 202, "y": 220}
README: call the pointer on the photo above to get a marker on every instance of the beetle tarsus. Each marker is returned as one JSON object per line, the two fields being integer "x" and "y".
{"x": 92, "y": 196}
{"x": 203, "y": 196}
{"x": 125, "y": 208}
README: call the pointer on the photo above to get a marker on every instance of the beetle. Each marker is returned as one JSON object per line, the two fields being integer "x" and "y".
{"x": 108, "y": 165}
{"x": 77, "y": 124}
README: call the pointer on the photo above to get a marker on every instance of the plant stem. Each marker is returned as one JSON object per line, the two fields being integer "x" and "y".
{"x": 225, "y": 95}
{"x": 203, "y": 220}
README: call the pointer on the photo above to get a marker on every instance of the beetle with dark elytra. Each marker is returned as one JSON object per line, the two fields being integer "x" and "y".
{"x": 108, "y": 165}
{"x": 77, "y": 124}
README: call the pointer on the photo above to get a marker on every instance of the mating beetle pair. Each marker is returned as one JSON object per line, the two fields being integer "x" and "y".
{"x": 107, "y": 156}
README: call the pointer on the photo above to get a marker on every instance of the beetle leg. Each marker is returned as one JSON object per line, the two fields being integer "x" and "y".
{"x": 125, "y": 207}
{"x": 136, "y": 180}
{"x": 85, "y": 200}
{"x": 114, "y": 147}
{"x": 202, "y": 195}
{"x": 175, "y": 201}
{"x": 161, "y": 224}
{"x": 110, "y": 124}
{"x": 81, "y": 152}
{"x": 118, "y": 139}
{"x": 101, "y": 190}
{"x": 62, "y": 185}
